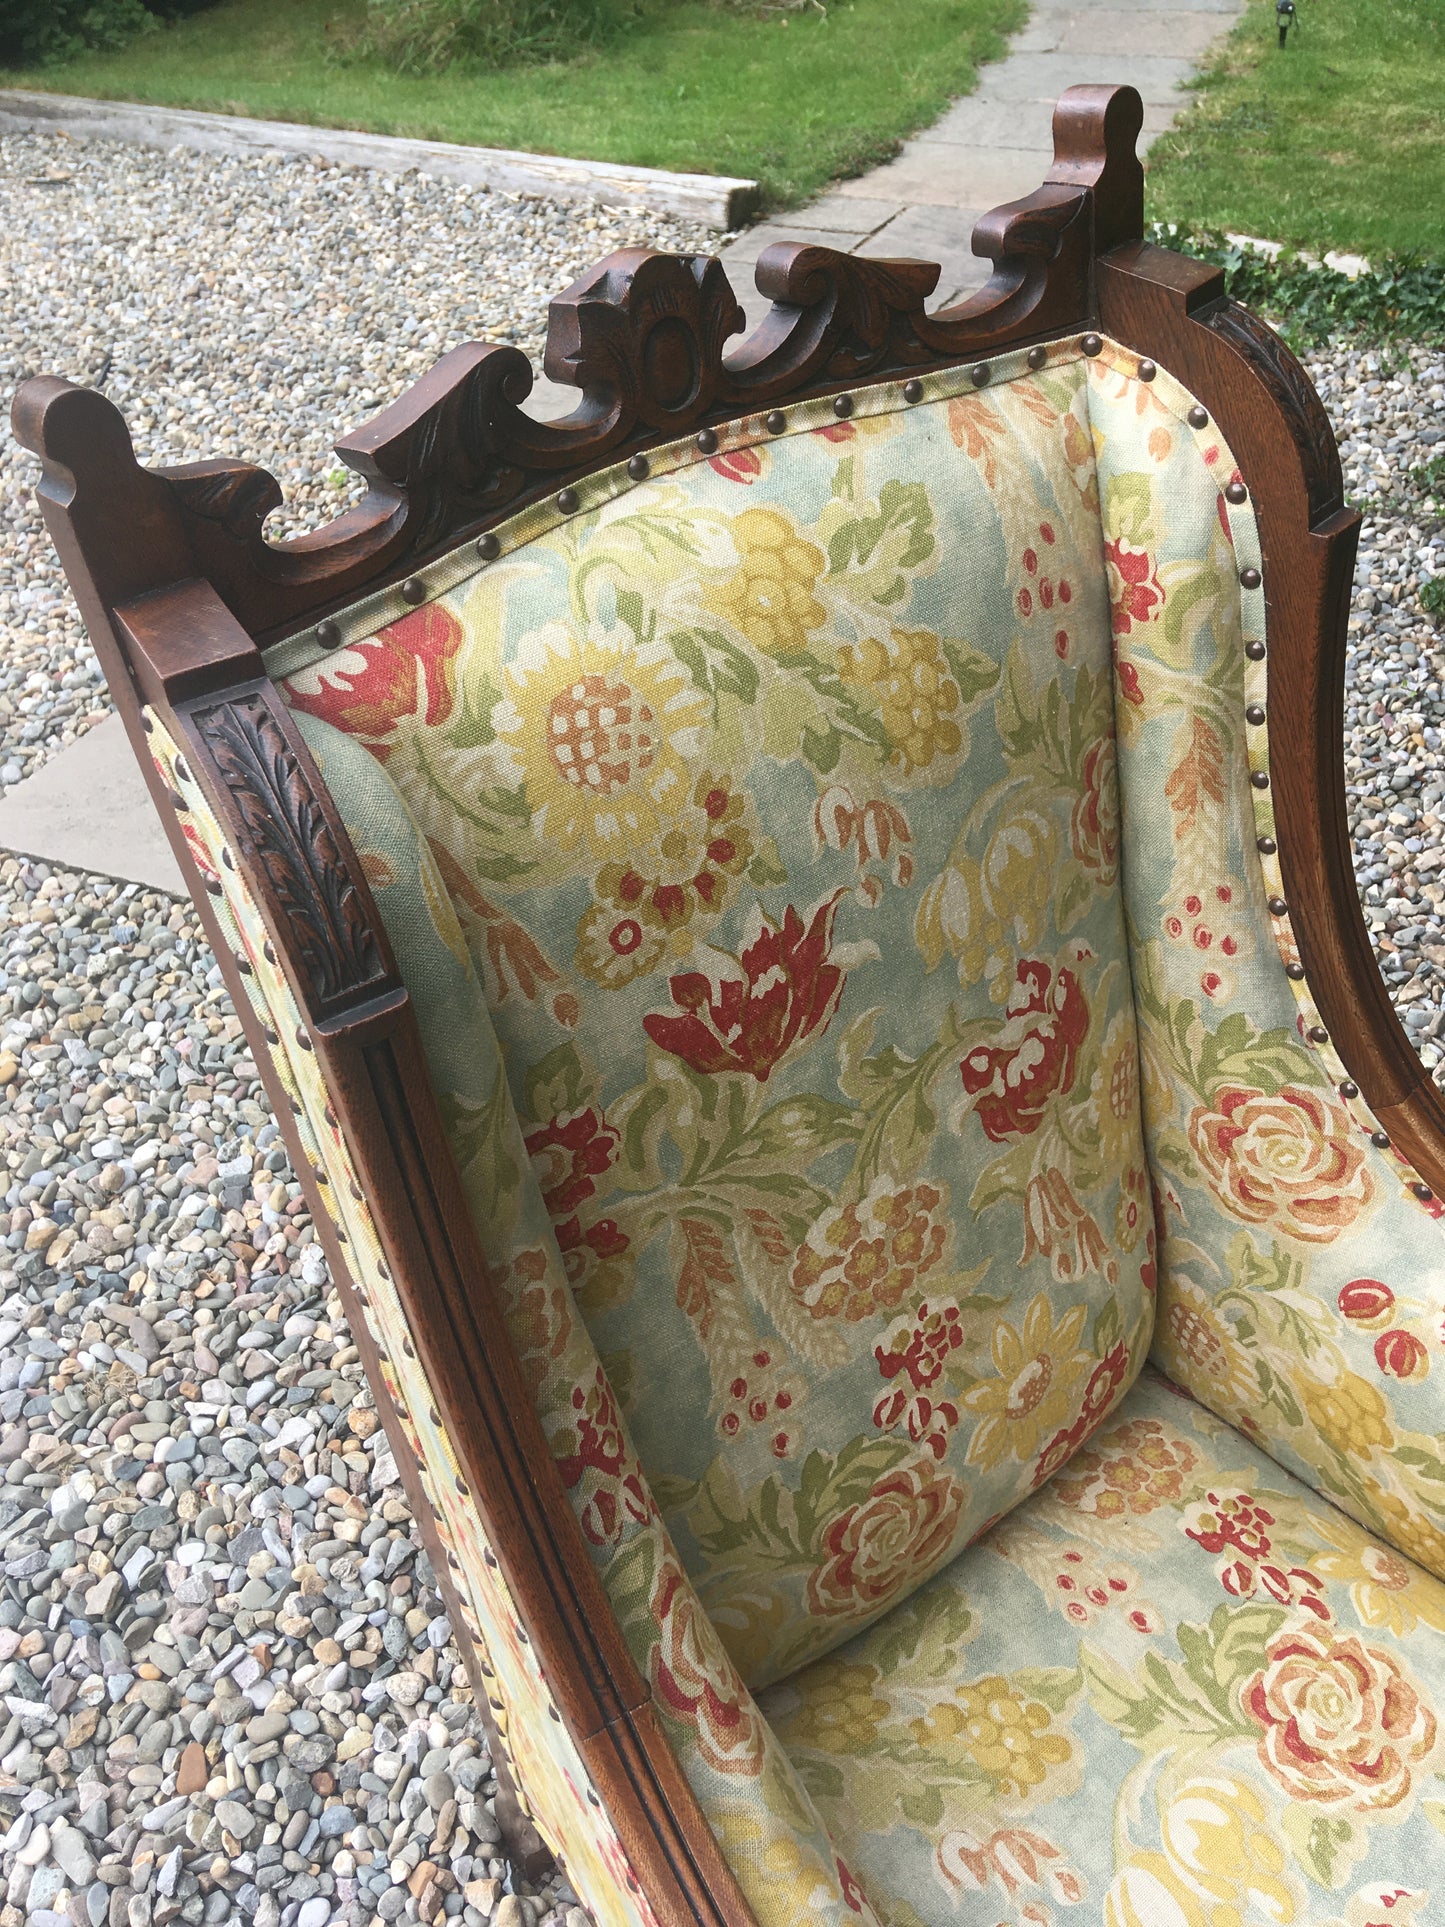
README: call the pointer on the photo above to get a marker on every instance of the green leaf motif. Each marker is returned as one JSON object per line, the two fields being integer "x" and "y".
{"x": 717, "y": 665}
{"x": 925, "y": 1632}
{"x": 889, "y": 543}
{"x": 974, "y": 672}
{"x": 924, "y": 1807}
{"x": 1166, "y": 1705}
{"x": 1056, "y": 1687}
{"x": 470, "y": 726}
{"x": 482, "y": 1135}
{"x": 1327, "y": 1846}
{"x": 800, "y": 1130}
{"x": 558, "y": 1084}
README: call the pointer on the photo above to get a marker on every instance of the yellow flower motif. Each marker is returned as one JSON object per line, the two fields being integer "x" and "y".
{"x": 1033, "y": 1395}
{"x": 998, "y": 1728}
{"x": 614, "y": 947}
{"x": 770, "y": 597}
{"x": 1202, "y": 1352}
{"x": 1411, "y": 1531}
{"x": 840, "y": 1710}
{"x": 651, "y": 904}
{"x": 989, "y": 914}
{"x": 1385, "y": 1589}
{"x": 1114, "y": 1095}
{"x": 602, "y": 730}
{"x": 1350, "y": 1415}
{"x": 1218, "y": 1836}
{"x": 916, "y": 695}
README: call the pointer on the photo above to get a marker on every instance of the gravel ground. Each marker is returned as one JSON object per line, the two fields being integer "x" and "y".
{"x": 229, "y": 1691}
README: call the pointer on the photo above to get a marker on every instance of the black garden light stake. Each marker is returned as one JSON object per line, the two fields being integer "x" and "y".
{"x": 1284, "y": 13}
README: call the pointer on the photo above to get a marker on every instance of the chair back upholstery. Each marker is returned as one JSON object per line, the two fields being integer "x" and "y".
{"x": 774, "y": 798}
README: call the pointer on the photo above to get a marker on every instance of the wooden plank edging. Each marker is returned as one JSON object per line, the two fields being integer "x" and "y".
{"x": 719, "y": 200}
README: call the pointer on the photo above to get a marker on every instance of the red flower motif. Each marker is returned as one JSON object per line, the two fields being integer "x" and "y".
{"x": 367, "y": 687}
{"x": 784, "y": 990}
{"x": 738, "y": 465}
{"x": 1232, "y": 1520}
{"x": 1100, "y": 1395}
{"x": 1129, "y": 683}
{"x": 1135, "y": 592}
{"x": 851, "y": 1891}
{"x": 1105, "y": 1382}
{"x": 1048, "y": 1019}
{"x": 1399, "y": 1354}
{"x": 599, "y": 1448}
{"x": 1365, "y": 1301}
{"x": 200, "y": 855}
{"x": 568, "y": 1153}
{"x": 919, "y": 1344}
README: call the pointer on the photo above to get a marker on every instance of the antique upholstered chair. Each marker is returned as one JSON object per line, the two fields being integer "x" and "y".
{"x": 800, "y": 927}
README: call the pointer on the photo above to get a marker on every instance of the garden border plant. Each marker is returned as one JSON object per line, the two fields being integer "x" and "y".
{"x": 1399, "y": 297}
{"x": 42, "y": 31}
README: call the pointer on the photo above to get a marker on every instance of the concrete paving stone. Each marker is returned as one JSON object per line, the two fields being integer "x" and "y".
{"x": 1044, "y": 77}
{"x": 800, "y": 227}
{"x": 855, "y": 206}
{"x": 939, "y": 234}
{"x": 944, "y": 174}
{"x": 992, "y": 124}
{"x": 1139, "y": 32}
{"x": 999, "y": 126}
{"x": 88, "y": 808}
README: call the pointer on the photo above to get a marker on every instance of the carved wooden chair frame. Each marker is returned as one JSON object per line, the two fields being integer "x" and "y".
{"x": 182, "y": 595}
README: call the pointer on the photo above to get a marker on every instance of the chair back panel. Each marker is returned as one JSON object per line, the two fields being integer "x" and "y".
{"x": 774, "y": 794}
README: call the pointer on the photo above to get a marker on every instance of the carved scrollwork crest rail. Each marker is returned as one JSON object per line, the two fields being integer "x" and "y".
{"x": 645, "y": 338}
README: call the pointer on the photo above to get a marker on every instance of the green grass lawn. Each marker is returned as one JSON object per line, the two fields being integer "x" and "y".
{"x": 1336, "y": 142}
{"x": 791, "y": 99}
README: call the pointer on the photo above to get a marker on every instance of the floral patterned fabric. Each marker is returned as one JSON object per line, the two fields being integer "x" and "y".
{"x": 776, "y": 799}
{"x": 1176, "y": 1688}
{"x": 754, "y": 1802}
{"x": 1301, "y": 1283}
{"x": 551, "y": 1781}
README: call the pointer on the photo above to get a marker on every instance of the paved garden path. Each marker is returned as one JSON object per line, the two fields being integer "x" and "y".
{"x": 995, "y": 145}
{"x": 87, "y": 807}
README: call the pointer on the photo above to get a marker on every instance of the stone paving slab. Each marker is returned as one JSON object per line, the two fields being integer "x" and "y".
{"x": 948, "y": 175}
{"x": 1044, "y": 76}
{"x": 88, "y": 809}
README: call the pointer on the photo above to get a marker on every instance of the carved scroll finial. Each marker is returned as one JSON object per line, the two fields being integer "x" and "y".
{"x": 119, "y": 514}
{"x": 1096, "y": 130}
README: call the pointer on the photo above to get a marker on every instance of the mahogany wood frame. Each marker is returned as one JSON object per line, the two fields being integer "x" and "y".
{"x": 181, "y": 593}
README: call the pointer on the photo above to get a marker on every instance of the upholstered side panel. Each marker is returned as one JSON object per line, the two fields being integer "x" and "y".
{"x": 754, "y": 1802}
{"x": 775, "y": 796}
{"x": 1301, "y": 1281}
{"x": 1176, "y": 1688}
{"x": 550, "y": 1776}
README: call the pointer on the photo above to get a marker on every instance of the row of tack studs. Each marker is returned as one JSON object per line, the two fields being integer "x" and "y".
{"x": 414, "y": 590}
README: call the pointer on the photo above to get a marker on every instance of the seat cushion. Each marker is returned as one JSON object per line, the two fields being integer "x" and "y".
{"x": 774, "y": 794}
{"x": 1176, "y": 1688}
